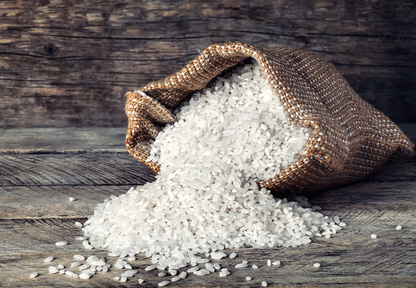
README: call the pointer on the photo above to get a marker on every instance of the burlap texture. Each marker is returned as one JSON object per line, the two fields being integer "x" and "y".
{"x": 351, "y": 139}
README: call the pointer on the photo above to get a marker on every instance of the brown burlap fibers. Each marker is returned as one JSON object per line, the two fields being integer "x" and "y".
{"x": 350, "y": 140}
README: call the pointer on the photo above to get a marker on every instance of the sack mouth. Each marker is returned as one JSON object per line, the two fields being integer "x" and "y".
{"x": 170, "y": 92}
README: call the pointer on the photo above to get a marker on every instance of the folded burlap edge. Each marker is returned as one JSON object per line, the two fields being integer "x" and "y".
{"x": 314, "y": 94}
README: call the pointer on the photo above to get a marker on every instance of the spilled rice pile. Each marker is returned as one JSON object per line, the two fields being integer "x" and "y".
{"x": 205, "y": 199}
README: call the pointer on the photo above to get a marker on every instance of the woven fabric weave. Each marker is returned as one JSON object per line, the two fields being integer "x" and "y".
{"x": 350, "y": 139}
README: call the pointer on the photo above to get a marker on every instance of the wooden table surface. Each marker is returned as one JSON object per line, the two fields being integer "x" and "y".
{"x": 40, "y": 168}
{"x": 69, "y": 63}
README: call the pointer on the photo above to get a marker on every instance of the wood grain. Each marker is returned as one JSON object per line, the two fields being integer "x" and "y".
{"x": 35, "y": 212}
{"x": 26, "y": 202}
{"x": 350, "y": 259}
{"x": 88, "y": 169}
{"x": 69, "y": 63}
{"x": 57, "y": 140}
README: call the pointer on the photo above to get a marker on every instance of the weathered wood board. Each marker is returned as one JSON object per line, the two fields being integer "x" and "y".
{"x": 67, "y": 140}
{"x": 69, "y": 63}
{"x": 35, "y": 212}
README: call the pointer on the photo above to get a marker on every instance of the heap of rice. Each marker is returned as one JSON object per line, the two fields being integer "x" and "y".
{"x": 205, "y": 198}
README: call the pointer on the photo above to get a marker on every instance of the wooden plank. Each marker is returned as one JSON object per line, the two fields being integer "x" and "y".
{"x": 379, "y": 196}
{"x": 86, "y": 169}
{"x": 69, "y": 64}
{"x": 24, "y": 202}
{"x": 72, "y": 139}
{"x": 349, "y": 259}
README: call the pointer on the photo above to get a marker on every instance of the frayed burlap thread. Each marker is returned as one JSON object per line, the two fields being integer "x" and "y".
{"x": 350, "y": 139}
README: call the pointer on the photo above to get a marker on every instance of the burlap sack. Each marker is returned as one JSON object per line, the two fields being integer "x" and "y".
{"x": 351, "y": 138}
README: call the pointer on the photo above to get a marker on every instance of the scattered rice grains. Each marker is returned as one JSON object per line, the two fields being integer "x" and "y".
{"x": 227, "y": 138}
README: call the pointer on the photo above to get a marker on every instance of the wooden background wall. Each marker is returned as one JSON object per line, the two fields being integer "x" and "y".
{"x": 68, "y": 63}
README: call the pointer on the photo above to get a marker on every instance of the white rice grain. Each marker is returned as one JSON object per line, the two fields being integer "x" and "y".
{"x": 150, "y": 268}
{"x": 209, "y": 267}
{"x": 224, "y": 272}
{"x": 202, "y": 272}
{"x": 241, "y": 265}
{"x": 193, "y": 269}
{"x": 84, "y": 276}
{"x": 53, "y": 270}
{"x": 75, "y": 264}
{"x": 48, "y": 259}
{"x": 276, "y": 263}
{"x": 69, "y": 273}
{"x": 218, "y": 255}
{"x": 163, "y": 283}
{"x": 217, "y": 266}
{"x": 183, "y": 275}
{"x": 130, "y": 273}
{"x": 84, "y": 266}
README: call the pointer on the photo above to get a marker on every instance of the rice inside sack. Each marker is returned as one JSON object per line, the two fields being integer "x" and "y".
{"x": 206, "y": 197}
{"x": 237, "y": 124}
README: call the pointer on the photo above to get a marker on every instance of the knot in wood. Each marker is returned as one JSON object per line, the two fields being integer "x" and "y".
{"x": 51, "y": 49}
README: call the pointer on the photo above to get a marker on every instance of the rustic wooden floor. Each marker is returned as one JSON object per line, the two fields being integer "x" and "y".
{"x": 41, "y": 168}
